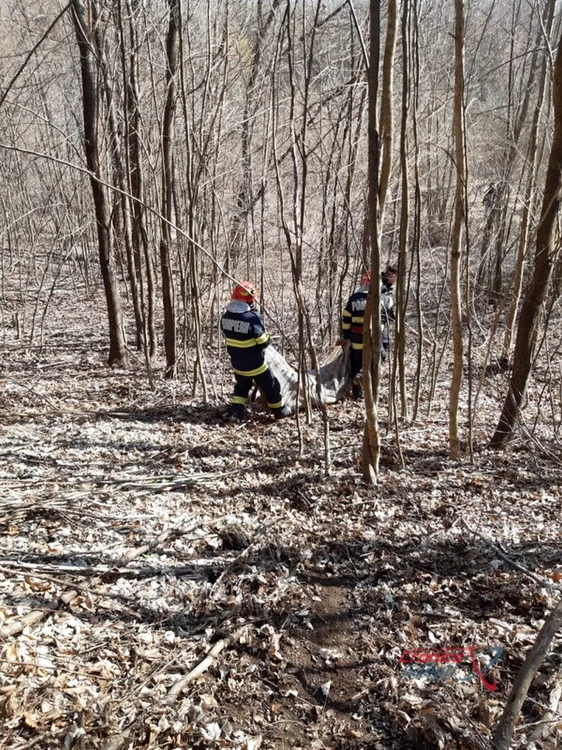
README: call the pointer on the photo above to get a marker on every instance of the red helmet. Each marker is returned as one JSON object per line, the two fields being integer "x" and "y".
{"x": 245, "y": 292}
{"x": 366, "y": 278}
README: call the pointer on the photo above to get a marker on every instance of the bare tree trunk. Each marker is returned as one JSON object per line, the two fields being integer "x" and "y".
{"x": 142, "y": 253}
{"x": 496, "y": 228}
{"x": 487, "y": 276}
{"x": 168, "y": 295}
{"x": 142, "y": 292}
{"x": 456, "y": 239}
{"x": 92, "y": 148}
{"x": 371, "y": 327}
{"x": 293, "y": 221}
{"x": 532, "y": 151}
{"x": 387, "y": 106}
{"x": 526, "y": 675}
{"x": 121, "y": 205}
{"x": 534, "y": 299}
{"x": 416, "y": 239}
{"x": 191, "y": 287}
{"x": 400, "y": 347}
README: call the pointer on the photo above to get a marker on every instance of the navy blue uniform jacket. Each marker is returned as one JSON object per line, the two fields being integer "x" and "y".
{"x": 353, "y": 317}
{"x": 245, "y": 338}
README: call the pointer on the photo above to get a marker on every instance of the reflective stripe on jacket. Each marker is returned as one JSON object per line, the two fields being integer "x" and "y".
{"x": 245, "y": 338}
{"x": 353, "y": 318}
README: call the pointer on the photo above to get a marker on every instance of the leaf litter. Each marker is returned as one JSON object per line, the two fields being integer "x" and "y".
{"x": 171, "y": 580}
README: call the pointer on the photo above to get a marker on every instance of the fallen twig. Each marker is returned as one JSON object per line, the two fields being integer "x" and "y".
{"x": 17, "y": 625}
{"x": 203, "y": 665}
{"x": 518, "y": 566}
{"x": 175, "y": 533}
{"x": 104, "y": 572}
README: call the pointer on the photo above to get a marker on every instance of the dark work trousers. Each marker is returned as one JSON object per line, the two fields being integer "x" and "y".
{"x": 356, "y": 355}
{"x": 385, "y": 343}
{"x": 266, "y": 382}
{"x": 356, "y": 361}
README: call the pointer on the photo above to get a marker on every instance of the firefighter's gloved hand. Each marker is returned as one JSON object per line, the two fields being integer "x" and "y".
{"x": 343, "y": 343}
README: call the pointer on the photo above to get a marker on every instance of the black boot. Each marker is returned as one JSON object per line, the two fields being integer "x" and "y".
{"x": 237, "y": 412}
{"x": 384, "y": 353}
{"x": 281, "y": 413}
{"x": 356, "y": 391}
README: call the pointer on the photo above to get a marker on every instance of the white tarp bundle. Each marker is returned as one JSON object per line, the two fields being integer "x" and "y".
{"x": 334, "y": 378}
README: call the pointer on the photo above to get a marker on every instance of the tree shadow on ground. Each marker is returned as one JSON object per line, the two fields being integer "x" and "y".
{"x": 334, "y": 659}
{"x": 211, "y": 414}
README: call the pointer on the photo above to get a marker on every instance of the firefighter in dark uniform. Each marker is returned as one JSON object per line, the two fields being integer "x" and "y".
{"x": 246, "y": 339}
{"x": 352, "y": 331}
{"x": 388, "y": 280}
{"x": 353, "y": 319}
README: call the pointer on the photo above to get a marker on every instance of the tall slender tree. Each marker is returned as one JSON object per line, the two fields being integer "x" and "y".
{"x": 456, "y": 239}
{"x": 527, "y": 328}
{"x": 371, "y": 328}
{"x": 84, "y": 17}
{"x": 542, "y": 49}
{"x": 168, "y": 293}
{"x": 387, "y": 105}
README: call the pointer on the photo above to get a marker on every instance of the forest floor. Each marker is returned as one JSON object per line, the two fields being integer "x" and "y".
{"x": 141, "y": 533}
